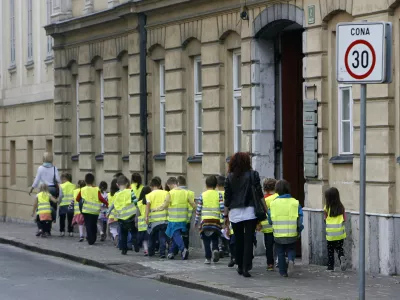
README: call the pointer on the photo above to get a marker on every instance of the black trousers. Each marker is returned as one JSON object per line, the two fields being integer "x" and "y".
{"x": 91, "y": 227}
{"x": 244, "y": 238}
{"x": 127, "y": 226}
{"x": 269, "y": 247}
{"x": 69, "y": 216}
{"x": 45, "y": 226}
{"x": 332, "y": 247}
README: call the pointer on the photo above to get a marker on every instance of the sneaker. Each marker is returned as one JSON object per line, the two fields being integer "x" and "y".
{"x": 343, "y": 264}
{"x": 71, "y": 234}
{"x": 124, "y": 252}
{"x": 215, "y": 256}
{"x": 270, "y": 268}
{"x": 221, "y": 253}
{"x": 102, "y": 237}
{"x": 232, "y": 263}
{"x": 39, "y": 233}
{"x": 162, "y": 256}
{"x": 137, "y": 249}
{"x": 62, "y": 234}
{"x": 185, "y": 254}
{"x": 44, "y": 235}
{"x": 170, "y": 256}
{"x": 207, "y": 261}
{"x": 146, "y": 253}
{"x": 81, "y": 239}
{"x": 290, "y": 266}
{"x": 284, "y": 275}
{"x": 330, "y": 269}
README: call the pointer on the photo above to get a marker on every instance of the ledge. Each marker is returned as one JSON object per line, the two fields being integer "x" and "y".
{"x": 49, "y": 60}
{"x": 12, "y": 68}
{"x": 99, "y": 157}
{"x": 195, "y": 159}
{"x": 341, "y": 159}
{"x": 75, "y": 157}
{"x": 125, "y": 158}
{"x": 160, "y": 157}
{"x": 30, "y": 64}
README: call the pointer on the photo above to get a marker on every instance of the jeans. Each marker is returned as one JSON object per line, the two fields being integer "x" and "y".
{"x": 244, "y": 237}
{"x": 281, "y": 249}
{"x": 210, "y": 243}
{"x": 158, "y": 234}
{"x": 332, "y": 246}
{"x": 69, "y": 216}
{"x": 269, "y": 247}
{"x": 177, "y": 242}
{"x": 185, "y": 236}
{"x": 126, "y": 226}
{"x": 91, "y": 227}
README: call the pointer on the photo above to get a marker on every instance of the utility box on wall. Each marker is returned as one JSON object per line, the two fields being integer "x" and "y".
{"x": 310, "y": 125}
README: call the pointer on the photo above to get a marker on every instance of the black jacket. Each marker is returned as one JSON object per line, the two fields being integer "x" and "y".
{"x": 238, "y": 190}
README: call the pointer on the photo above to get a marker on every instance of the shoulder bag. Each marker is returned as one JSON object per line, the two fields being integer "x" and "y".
{"x": 259, "y": 208}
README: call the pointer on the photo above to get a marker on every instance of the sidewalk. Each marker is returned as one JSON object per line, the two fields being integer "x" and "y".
{"x": 307, "y": 283}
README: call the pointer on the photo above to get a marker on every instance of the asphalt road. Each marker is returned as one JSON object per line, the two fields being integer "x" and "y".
{"x": 25, "y": 275}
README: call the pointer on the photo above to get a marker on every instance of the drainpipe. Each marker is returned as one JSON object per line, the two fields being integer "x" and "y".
{"x": 143, "y": 89}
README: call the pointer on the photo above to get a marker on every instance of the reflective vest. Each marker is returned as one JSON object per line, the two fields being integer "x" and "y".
{"x": 91, "y": 202}
{"x": 157, "y": 198}
{"x": 211, "y": 208}
{"x": 178, "y": 206}
{"x": 76, "y": 203}
{"x": 43, "y": 203}
{"x": 123, "y": 205}
{"x": 136, "y": 190}
{"x": 142, "y": 226}
{"x": 335, "y": 230}
{"x": 231, "y": 230}
{"x": 265, "y": 226}
{"x": 284, "y": 215}
{"x": 190, "y": 208}
{"x": 68, "y": 193}
{"x": 223, "y": 196}
{"x": 111, "y": 200}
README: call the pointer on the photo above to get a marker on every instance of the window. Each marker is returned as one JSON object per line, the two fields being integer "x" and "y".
{"x": 12, "y": 32}
{"x": 345, "y": 110}
{"x": 13, "y": 163}
{"x": 237, "y": 101}
{"x": 198, "y": 107}
{"x": 76, "y": 80}
{"x": 163, "y": 131}
{"x": 30, "y": 39}
{"x": 101, "y": 112}
{"x": 29, "y": 160}
{"x": 49, "y": 38}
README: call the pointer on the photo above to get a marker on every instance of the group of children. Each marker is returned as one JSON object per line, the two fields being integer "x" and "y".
{"x": 158, "y": 219}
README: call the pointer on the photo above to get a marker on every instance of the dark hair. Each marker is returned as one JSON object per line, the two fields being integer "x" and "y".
{"x": 239, "y": 163}
{"x": 220, "y": 180}
{"x": 211, "y": 182}
{"x": 282, "y": 187}
{"x": 181, "y": 180}
{"x": 146, "y": 190}
{"x": 166, "y": 188}
{"x": 160, "y": 182}
{"x": 155, "y": 182}
{"x": 103, "y": 186}
{"x": 333, "y": 204}
{"x": 136, "y": 178}
{"x": 113, "y": 187}
{"x": 67, "y": 176}
{"x": 89, "y": 178}
{"x": 81, "y": 183}
{"x": 122, "y": 180}
{"x": 172, "y": 180}
{"x": 118, "y": 174}
{"x": 269, "y": 184}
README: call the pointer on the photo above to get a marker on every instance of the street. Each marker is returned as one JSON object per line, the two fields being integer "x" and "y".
{"x": 26, "y": 275}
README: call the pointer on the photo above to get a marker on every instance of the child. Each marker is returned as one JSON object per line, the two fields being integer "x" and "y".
{"x": 78, "y": 217}
{"x": 266, "y": 228}
{"x": 210, "y": 207}
{"x": 224, "y": 243}
{"x": 112, "y": 220}
{"x": 66, "y": 197}
{"x": 185, "y": 235}
{"x": 159, "y": 181}
{"x": 125, "y": 210}
{"x": 232, "y": 247}
{"x": 102, "y": 222}
{"x": 42, "y": 208}
{"x": 335, "y": 231}
{"x": 136, "y": 184}
{"x": 157, "y": 220}
{"x": 142, "y": 236}
{"x": 91, "y": 205}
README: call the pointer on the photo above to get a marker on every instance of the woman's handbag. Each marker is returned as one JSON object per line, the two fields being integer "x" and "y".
{"x": 56, "y": 184}
{"x": 260, "y": 209}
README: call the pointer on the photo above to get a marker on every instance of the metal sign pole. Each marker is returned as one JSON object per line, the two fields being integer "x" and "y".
{"x": 363, "y": 138}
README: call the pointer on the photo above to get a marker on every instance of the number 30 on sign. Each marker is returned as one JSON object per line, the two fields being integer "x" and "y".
{"x": 364, "y": 52}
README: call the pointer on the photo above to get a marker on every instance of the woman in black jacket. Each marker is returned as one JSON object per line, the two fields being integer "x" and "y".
{"x": 240, "y": 204}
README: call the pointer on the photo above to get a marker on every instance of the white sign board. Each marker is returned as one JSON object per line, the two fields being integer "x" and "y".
{"x": 362, "y": 52}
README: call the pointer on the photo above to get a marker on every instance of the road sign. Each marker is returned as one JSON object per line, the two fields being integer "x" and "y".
{"x": 363, "y": 52}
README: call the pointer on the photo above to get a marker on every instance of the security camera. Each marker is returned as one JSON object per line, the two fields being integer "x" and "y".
{"x": 244, "y": 15}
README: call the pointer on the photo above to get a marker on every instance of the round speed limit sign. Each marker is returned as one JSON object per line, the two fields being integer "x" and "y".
{"x": 360, "y": 59}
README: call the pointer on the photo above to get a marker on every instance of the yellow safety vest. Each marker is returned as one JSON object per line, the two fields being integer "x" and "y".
{"x": 123, "y": 205}
{"x": 231, "y": 229}
{"x": 68, "y": 193}
{"x": 136, "y": 190}
{"x": 91, "y": 202}
{"x": 284, "y": 215}
{"x": 211, "y": 208}
{"x": 111, "y": 200}
{"x": 178, "y": 206}
{"x": 142, "y": 226}
{"x": 76, "y": 203}
{"x": 190, "y": 208}
{"x": 43, "y": 203}
{"x": 266, "y": 227}
{"x": 335, "y": 230}
{"x": 156, "y": 199}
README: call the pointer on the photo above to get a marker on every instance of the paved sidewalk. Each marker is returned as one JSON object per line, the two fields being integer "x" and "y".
{"x": 307, "y": 282}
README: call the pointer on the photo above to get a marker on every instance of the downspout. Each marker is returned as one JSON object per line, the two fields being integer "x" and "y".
{"x": 143, "y": 90}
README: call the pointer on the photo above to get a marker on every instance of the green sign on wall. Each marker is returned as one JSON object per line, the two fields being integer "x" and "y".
{"x": 311, "y": 14}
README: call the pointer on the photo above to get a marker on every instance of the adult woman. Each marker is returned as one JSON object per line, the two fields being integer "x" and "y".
{"x": 240, "y": 204}
{"x": 47, "y": 173}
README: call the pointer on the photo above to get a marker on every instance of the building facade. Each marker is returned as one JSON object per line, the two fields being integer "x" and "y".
{"x": 176, "y": 87}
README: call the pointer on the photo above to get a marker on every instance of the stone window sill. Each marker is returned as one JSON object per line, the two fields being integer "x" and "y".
{"x": 99, "y": 157}
{"x": 341, "y": 160}
{"x": 12, "y": 68}
{"x": 75, "y": 157}
{"x": 160, "y": 157}
{"x": 48, "y": 60}
{"x": 195, "y": 159}
{"x": 29, "y": 65}
{"x": 125, "y": 158}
